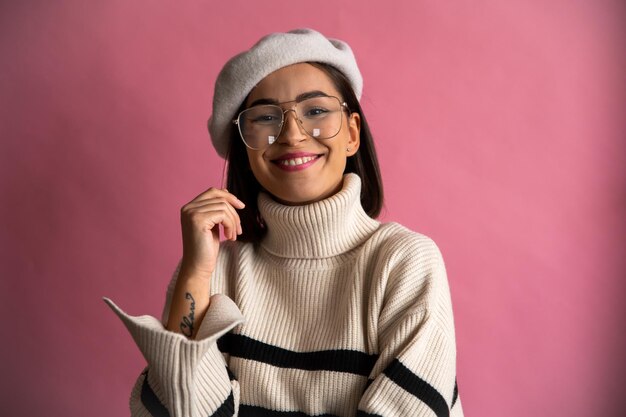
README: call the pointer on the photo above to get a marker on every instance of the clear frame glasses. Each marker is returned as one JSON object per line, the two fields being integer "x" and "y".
{"x": 320, "y": 117}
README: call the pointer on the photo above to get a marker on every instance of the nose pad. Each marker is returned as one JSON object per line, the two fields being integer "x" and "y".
{"x": 291, "y": 130}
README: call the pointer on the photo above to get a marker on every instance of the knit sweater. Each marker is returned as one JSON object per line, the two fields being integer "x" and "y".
{"x": 331, "y": 314}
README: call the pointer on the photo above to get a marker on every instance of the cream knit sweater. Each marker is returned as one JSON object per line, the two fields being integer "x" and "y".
{"x": 332, "y": 314}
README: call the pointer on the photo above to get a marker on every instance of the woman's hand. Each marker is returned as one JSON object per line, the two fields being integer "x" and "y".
{"x": 200, "y": 220}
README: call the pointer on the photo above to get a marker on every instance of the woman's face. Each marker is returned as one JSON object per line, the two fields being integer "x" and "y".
{"x": 320, "y": 177}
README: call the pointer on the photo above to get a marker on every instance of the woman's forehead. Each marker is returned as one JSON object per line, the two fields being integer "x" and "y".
{"x": 286, "y": 83}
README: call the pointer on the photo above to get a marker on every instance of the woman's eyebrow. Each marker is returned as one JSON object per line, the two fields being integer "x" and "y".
{"x": 310, "y": 94}
{"x": 299, "y": 98}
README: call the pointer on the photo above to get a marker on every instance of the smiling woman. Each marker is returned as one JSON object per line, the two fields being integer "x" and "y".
{"x": 311, "y": 307}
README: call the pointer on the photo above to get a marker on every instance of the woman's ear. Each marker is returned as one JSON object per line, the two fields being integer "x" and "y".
{"x": 354, "y": 131}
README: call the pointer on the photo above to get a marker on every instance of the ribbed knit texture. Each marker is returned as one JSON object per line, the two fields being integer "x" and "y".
{"x": 331, "y": 314}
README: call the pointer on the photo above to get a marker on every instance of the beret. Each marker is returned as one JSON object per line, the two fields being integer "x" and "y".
{"x": 277, "y": 50}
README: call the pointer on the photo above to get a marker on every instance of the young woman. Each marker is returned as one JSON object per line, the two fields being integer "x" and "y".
{"x": 310, "y": 307}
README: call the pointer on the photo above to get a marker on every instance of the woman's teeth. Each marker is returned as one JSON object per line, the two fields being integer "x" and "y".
{"x": 296, "y": 161}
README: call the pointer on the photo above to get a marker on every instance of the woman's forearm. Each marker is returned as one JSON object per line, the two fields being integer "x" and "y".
{"x": 190, "y": 302}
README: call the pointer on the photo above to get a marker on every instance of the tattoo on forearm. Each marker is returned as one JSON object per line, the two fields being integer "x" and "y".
{"x": 186, "y": 326}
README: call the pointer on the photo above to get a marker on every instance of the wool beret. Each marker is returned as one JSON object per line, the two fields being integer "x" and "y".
{"x": 277, "y": 50}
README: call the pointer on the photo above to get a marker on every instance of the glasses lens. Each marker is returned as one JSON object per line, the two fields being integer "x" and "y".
{"x": 259, "y": 126}
{"x": 320, "y": 116}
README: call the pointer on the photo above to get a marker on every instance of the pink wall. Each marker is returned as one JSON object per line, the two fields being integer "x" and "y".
{"x": 500, "y": 129}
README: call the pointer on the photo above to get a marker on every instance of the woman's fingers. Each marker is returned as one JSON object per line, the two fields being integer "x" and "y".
{"x": 200, "y": 221}
{"x": 217, "y": 212}
{"x": 214, "y": 204}
{"x": 214, "y": 200}
{"x": 212, "y": 193}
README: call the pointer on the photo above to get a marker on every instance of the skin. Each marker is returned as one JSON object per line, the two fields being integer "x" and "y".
{"x": 202, "y": 217}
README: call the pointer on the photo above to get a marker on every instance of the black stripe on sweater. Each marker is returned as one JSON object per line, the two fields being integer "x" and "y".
{"x": 154, "y": 406}
{"x": 455, "y": 394}
{"x": 227, "y": 409}
{"x": 256, "y": 411}
{"x": 350, "y": 361}
{"x": 150, "y": 400}
{"x": 415, "y": 385}
{"x": 360, "y": 413}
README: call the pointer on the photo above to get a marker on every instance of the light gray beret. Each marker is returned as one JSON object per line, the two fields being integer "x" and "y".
{"x": 245, "y": 70}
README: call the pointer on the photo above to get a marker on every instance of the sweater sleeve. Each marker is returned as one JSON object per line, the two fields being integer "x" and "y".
{"x": 415, "y": 373}
{"x": 184, "y": 378}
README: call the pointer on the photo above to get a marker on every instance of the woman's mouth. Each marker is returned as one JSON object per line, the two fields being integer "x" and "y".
{"x": 296, "y": 162}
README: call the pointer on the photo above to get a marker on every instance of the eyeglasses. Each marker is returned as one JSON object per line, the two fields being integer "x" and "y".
{"x": 320, "y": 117}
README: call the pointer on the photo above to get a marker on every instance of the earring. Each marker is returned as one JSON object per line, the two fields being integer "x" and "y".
{"x": 348, "y": 149}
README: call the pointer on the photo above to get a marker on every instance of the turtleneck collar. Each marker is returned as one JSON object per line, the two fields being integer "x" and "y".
{"x": 318, "y": 230}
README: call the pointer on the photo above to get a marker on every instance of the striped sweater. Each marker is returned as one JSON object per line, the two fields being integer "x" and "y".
{"x": 332, "y": 314}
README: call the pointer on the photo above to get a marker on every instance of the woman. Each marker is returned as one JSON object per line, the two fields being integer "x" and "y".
{"x": 311, "y": 306}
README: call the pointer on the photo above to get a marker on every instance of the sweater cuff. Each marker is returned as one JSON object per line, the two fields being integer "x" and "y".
{"x": 153, "y": 339}
{"x": 179, "y": 368}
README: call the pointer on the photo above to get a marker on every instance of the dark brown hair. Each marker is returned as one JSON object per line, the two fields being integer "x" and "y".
{"x": 242, "y": 183}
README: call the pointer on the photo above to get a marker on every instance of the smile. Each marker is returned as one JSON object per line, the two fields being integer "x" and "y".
{"x": 295, "y": 162}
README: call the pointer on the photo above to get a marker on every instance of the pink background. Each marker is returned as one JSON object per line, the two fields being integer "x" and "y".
{"x": 500, "y": 127}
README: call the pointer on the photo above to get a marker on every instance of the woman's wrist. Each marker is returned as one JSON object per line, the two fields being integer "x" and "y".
{"x": 190, "y": 273}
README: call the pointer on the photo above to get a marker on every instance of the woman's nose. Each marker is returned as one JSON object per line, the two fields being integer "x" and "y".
{"x": 292, "y": 131}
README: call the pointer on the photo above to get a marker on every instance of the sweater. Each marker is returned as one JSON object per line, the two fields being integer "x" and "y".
{"x": 331, "y": 314}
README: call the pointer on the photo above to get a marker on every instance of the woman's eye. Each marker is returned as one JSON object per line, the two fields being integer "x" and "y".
{"x": 265, "y": 118}
{"x": 315, "y": 112}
